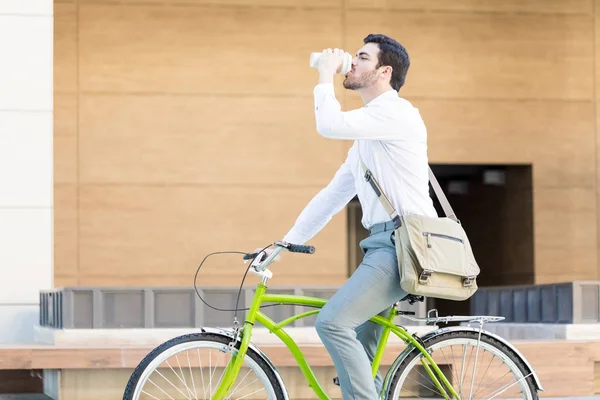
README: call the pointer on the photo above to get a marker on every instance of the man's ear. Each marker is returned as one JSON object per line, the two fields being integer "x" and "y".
{"x": 386, "y": 70}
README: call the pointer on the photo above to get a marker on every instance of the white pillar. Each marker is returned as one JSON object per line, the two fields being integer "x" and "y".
{"x": 26, "y": 163}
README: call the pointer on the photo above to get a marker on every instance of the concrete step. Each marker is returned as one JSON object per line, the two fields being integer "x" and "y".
{"x": 25, "y": 396}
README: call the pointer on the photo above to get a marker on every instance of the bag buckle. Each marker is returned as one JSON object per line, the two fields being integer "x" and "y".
{"x": 424, "y": 277}
{"x": 468, "y": 281}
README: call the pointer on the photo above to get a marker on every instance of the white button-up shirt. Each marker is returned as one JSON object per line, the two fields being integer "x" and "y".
{"x": 392, "y": 139}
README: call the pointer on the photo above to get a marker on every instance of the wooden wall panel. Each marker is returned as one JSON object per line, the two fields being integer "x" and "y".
{"x": 565, "y": 234}
{"x": 474, "y": 6}
{"x": 65, "y": 262}
{"x": 65, "y": 47}
{"x": 172, "y": 50}
{"x": 65, "y": 231}
{"x": 62, "y": 281}
{"x": 168, "y": 85}
{"x": 515, "y": 132}
{"x": 204, "y": 140}
{"x": 483, "y": 56}
{"x": 557, "y": 137}
{"x": 164, "y": 231}
{"x": 65, "y": 138}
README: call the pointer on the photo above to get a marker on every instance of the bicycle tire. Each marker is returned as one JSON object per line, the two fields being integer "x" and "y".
{"x": 134, "y": 379}
{"x": 451, "y": 336}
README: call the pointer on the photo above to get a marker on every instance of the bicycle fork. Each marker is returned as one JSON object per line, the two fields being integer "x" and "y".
{"x": 237, "y": 359}
{"x": 235, "y": 363}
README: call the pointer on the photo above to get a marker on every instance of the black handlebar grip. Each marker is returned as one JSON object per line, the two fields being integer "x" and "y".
{"x": 297, "y": 248}
{"x": 250, "y": 256}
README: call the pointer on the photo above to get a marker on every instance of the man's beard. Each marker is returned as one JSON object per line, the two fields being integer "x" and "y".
{"x": 365, "y": 80}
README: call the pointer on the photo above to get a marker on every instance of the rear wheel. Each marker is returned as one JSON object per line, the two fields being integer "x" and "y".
{"x": 488, "y": 371}
{"x": 191, "y": 366}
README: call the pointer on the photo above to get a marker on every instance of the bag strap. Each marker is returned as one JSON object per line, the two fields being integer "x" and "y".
{"x": 388, "y": 205}
{"x": 437, "y": 189}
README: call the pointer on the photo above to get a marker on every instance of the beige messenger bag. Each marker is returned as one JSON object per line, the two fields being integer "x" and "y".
{"x": 434, "y": 255}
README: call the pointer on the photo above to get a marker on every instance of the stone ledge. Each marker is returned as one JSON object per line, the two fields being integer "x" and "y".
{"x": 303, "y": 336}
{"x": 531, "y": 331}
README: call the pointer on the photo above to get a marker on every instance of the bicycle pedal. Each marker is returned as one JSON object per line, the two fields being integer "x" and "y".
{"x": 336, "y": 381}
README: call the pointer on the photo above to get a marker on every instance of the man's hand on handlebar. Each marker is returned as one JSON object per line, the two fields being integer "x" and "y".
{"x": 262, "y": 256}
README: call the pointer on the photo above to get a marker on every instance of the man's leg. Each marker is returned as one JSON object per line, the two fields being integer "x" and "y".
{"x": 368, "y": 334}
{"x": 373, "y": 288}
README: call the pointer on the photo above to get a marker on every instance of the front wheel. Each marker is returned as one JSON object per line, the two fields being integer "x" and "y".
{"x": 488, "y": 371}
{"x": 191, "y": 366}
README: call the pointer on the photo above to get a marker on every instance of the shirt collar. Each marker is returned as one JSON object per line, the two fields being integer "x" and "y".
{"x": 385, "y": 96}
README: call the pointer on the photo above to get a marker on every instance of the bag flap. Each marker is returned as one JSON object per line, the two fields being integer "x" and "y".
{"x": 440, "y": 244}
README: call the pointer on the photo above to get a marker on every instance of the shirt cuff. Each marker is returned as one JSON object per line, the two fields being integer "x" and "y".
{"x": 324, "y": 88}
{"x": 292, "y": 240}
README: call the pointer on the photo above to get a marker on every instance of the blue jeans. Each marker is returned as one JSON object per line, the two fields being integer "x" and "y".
{"x": 343, "y": 325}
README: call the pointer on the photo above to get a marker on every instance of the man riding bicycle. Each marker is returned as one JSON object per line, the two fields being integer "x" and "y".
{"x": 390, "y": 137}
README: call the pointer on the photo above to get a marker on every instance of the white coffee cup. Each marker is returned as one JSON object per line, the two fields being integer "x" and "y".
{"x": 346, "y": 64}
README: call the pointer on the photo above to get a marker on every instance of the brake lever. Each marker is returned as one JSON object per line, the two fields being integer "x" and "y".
{"x": 250, "y": 256}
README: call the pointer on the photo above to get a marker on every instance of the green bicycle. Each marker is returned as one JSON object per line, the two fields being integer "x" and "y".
{"x": 460, "y": 362}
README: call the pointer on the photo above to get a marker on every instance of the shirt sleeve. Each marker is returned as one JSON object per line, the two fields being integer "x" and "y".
{"x": 323, "y": 206}
{"x": 375, "y": 122}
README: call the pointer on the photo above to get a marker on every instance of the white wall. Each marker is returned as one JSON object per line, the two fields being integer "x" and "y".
{"x": 26, "y": 187}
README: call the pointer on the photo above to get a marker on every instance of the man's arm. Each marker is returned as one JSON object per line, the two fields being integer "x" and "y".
{"x": 371, "y": 123}
{"x": 323, "y": 206}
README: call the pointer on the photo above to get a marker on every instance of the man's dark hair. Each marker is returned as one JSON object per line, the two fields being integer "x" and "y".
{"x": 393, "y": 54}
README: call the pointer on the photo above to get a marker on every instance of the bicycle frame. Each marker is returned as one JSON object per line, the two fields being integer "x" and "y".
{"x": 255, "y": 315}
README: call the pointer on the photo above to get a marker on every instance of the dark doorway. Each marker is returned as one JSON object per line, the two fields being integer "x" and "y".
{"x": 495, "y": 205}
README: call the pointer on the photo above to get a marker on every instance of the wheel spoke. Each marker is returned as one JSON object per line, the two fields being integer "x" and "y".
{"x": 450, "y": 364}
{"x": 210, "y": 373}
{"x": 159, "y": 388}
{"x": 496, "y": 381}
{"x": 187, "y": 354}
{"x": 484, "y": 375}
{"x": 178, "y": 377}
{"x": 235, "y": 388}
{"x": 172, "y": 384}
{"x": 466, "y": 368}
{"x": 462, "y": 370}
{"x": 250, "y": 394}
{"x": 202, "y": 376}
{"x": 474, "y": 366}
{"x": 222, "y": 373}
{"x": 243, "y": 387}
{"x": 183, "y": 376}
{"x": 434, "y": 389}
{"x": 148, "y": 394}
{"x": 505, "y": 388}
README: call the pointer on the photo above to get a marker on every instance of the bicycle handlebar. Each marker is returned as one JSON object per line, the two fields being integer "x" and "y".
{"x": 298, "y": 248}
{"x": 293, "y": 248}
